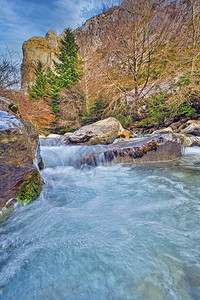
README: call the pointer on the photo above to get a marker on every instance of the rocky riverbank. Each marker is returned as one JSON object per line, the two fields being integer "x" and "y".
{"x": 20, "y": 152}
{"x": 19, "y": 157}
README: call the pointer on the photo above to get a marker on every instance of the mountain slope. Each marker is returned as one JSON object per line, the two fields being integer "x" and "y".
{"x": 126, "y": 50}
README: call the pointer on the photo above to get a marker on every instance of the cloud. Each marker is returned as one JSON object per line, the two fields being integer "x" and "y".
{"x": 23, "y": 19}
{"x": 95, "y": 7}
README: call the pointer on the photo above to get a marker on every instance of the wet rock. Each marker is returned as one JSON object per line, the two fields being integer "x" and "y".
{"x": 158, "y": 148}
{"x": 191, "y": 140}
{"x": 163, "y": 131}
{"x": 101, "y": 132}
{"x": 18, "y": 151}
{"x": 54, "y": 136}
{"x": 67, "y": 134}
{"x": 192, "y": 127}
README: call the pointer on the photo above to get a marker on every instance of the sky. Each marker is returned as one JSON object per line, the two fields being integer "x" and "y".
{"x": 23, "y": 19}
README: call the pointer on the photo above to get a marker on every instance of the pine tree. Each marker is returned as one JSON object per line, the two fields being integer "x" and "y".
{"x": 67, "y": 69}
{"x": 40, "y": 88}
{"x": 65, "y": 74}
{"x": 52, "y": 82}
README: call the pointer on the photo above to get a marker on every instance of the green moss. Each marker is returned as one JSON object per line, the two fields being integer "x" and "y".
{"x": 41, "y": 165}
{"x": 30, "y": 189}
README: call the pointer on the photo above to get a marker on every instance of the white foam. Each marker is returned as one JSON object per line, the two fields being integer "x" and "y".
{"x": 192, "y": 151}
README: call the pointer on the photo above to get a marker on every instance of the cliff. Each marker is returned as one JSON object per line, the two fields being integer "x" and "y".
{"x": 97, "y": 41}
{"x": 91, "y": 38}
{"x": 127, "y": 53}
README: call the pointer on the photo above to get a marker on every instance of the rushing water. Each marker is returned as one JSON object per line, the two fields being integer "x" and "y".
{"x": 110, "y": 232}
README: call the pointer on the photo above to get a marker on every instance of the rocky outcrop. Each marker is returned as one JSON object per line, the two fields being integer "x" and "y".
{"x": 19, "y": 156}
{"x": 102, "y": 132}
{"x": 8, "y": 106}
{"x": 192, "y": 127}
{"x": 38, "y": 49}
{"x": 191, "y": 140}
{"x": 159, "y": 148}
{"x": 92, "y": 40}
{"x": 163, "y": 130}
{"x": 96, "y": 39}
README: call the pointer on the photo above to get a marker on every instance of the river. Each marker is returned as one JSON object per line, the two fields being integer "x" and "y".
{"x": 109, "y": 232}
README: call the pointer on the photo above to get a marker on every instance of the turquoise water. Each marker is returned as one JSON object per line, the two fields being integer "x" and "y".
{"x": 111, "y": 232}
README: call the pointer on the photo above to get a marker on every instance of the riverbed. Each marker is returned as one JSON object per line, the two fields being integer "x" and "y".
{"x": 111, "y": 232}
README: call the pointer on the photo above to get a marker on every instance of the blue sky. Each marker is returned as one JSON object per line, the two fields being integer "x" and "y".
{"x": 23, "y": 19}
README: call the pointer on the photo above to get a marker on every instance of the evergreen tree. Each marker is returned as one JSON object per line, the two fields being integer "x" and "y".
{"x": 67, "y": 69}
{"x": 48, "y": 85}
{"x": 40, "y": 88}
{"x": 52, "y": 82}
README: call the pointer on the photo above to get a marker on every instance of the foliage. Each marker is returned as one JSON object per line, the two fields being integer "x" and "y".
{"x": 94, "y": 114}
{"x": 67, "y": 68}
{"x": 30, "y": 189}
{"x": 48, "y": 84}
{"x": 124, "y": 120}
{"x": 39, "y": 113}
{"x": 39, "y": 89}
{"x": 183, "y": 103}
{"x": 186, "y": 110}
{"x": 156, "y": 109}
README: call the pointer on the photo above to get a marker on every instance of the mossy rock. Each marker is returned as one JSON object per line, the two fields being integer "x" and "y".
{"x": 19, "y": 150}
{"x": 30, "y": 189}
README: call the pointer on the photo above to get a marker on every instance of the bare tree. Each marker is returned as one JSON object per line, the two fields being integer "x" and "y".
{"x": 195, "y": 26}
{"x": 144, "y": 32}
{"x": 9, "y": 71}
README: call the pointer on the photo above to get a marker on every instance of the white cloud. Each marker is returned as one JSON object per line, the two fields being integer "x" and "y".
{"x": 22, "y": 19}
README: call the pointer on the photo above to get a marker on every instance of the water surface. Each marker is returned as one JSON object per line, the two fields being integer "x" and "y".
{"x": 111, "y": 232}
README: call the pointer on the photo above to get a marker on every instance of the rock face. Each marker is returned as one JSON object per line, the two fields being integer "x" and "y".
{"x": 193, "y": 127}
{"x": 102, "y": 132}
{"x": 191, "y": 140}
{"x": 38, "y": 49}
{"x": 96, "y": 49}
{"x": 104, "y": 54}
{"x": 158, "y": 148}
{"x": 18, "y": 151}
{"x": 9, "y": 106}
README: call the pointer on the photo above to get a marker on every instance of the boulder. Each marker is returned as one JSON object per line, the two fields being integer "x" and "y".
{"x": 42, "y": 136}
{"x": 124, "y": 133}
{"x": 191, "y": 140}
{"x": 158, "y": 148}
{"x": 101, "y": 132}
{"x": 19, "y": 156}
{"x": 54, "y": 136}
{"x": 8, "y": 106}
{"x": 67, "y": 134}
{"x": 163, "y": 130}
{"x": 192, "y": 127}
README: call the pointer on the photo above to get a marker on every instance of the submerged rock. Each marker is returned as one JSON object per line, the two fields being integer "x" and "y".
{"x": 19, "y": 155}
{"x": 158, "y": 148}
{"x": 102, "y": 132}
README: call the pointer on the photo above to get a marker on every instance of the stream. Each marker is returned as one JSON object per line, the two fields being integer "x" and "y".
{"x": 110, "y": 232}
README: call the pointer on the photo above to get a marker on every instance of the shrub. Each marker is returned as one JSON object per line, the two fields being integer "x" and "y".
{"x": 124, "y": 120}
